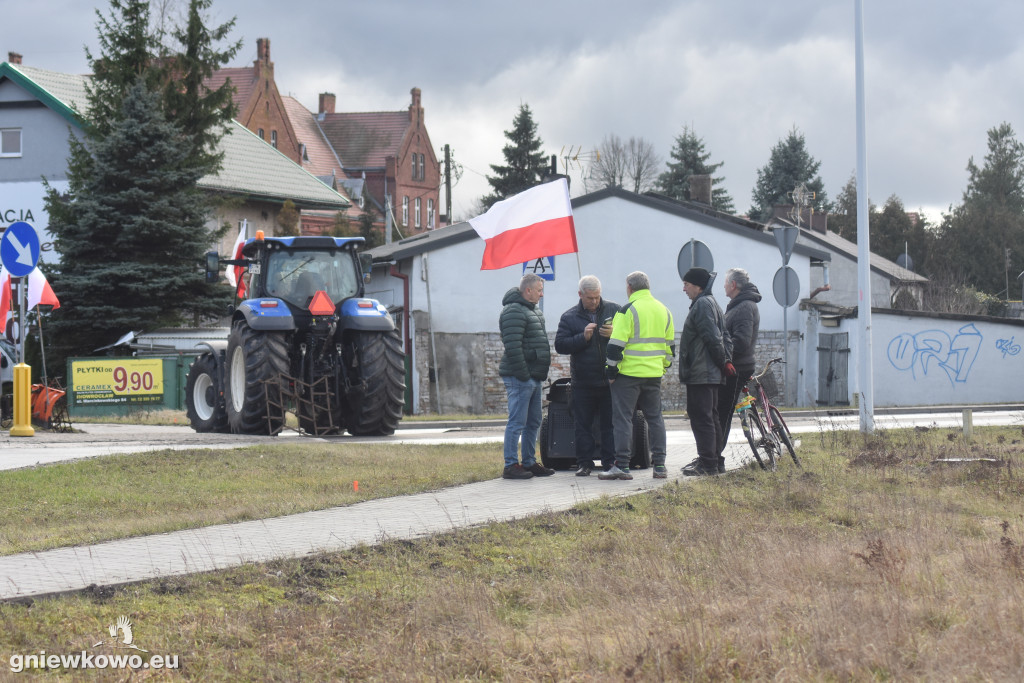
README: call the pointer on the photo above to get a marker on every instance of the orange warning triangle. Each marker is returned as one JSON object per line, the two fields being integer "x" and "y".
{"x": 321, "y": 304}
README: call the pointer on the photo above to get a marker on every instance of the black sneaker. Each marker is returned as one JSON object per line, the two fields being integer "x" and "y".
{"x": 516, "y": 471}
{"x": 539, "y": 470}
{"x": 584, "y": 470}
{"x": 721, "y": 465}
{"x": 660, "y": 472}
{"x": 692, "y": 464}
{"x": 701, "y": 471}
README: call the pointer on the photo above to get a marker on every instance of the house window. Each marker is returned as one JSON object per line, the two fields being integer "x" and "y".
{"x": 430, "y": 214}
{"x": 405, "y": 211}
{"x": 10, "y": 142}
{"x": 260, "y": 133}
{"x": 414, "y": 177}
{"x": 273, "y": 139}
{"x": 423, "y": 171}
{"x": 418, "y": 222}
{"x": 305, "y": 154}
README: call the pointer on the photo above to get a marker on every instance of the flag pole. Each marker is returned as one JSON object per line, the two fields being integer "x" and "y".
{"x": 42, "y": 347}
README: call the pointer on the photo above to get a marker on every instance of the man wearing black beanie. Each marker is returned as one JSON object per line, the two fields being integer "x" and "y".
{"x": 705, "y": 360}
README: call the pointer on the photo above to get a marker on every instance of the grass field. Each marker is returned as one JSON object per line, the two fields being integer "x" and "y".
{"x": 876, "y": 562}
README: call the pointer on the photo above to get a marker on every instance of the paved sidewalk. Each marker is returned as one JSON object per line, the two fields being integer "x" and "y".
{"x": 229, "y": 545}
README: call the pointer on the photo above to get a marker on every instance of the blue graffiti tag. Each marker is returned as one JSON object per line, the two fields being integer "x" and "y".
{"x": 924, "y": 350}
{"x": 1008, "y": 347}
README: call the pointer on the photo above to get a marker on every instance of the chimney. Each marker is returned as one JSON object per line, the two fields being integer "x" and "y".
{"x": 14, "y": 58}
{"x": 700, "y": 189}
{"x": 327, "y": 103}
{"x": 415, "y": 109}
{"x": 263, "y": 66}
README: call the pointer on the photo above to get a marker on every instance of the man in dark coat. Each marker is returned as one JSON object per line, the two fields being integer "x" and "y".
{"x": 742, "y": 321}
{"x": 705, "y": 353}
{"x": 582, "y": 334}
{"x": 524, "y": 366}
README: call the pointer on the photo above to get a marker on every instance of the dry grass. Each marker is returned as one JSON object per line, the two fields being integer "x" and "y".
{"x": 872, "y": 563}
{"x": 88, "y": 501}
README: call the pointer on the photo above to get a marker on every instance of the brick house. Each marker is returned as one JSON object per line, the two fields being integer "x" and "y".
{"x": 391, "y": 151}
{"x": 260, "y": 106}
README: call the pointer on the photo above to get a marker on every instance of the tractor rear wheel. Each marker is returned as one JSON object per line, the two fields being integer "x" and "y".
{"x": 202, "y": 397}
{"x": 377, "y": 367}
{"x": 252, "y": 391}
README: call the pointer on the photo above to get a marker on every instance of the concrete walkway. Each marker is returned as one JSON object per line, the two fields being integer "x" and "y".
{"x": 406, "y": 517}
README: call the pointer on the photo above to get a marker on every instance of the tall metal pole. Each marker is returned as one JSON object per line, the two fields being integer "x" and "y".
{"x": 867, "y": 388}
{"x": 448, "y": 183}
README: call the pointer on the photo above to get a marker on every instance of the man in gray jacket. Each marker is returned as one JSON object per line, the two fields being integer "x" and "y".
{"x": 742, "y": 321}
{"x": 524, "y": 365}
{"x": 705, "y": 354}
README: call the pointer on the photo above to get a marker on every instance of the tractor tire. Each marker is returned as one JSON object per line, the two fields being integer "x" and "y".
{"x": 202, "y": 395}
{"x": 252, "y": 392}
{"x": 378, "y": 367}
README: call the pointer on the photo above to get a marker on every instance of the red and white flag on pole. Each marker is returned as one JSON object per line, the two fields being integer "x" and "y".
{"x": 234, "y": 273}
{"x": 39, "y": 292}
{"x": 532, "y": 224}
{"x": 5, "y": 297}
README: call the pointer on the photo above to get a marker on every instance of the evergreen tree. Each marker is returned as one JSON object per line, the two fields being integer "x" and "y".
{"x": 131, "y": 230}
{"x": 974, "y": 237}
{"x": 843, "y": 219}
{"x": 128, "y": 240}
{"x": 204, "y": 115}
{"x": 788, "y": 167}
{"x": 288, "y": 218}
{"x": 894, "y": 232}
{"x": 690, "y": 158}
{"x": 525, "y": 165}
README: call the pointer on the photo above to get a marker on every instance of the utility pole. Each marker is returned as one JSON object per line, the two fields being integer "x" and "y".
{"x": 448, "y": 183}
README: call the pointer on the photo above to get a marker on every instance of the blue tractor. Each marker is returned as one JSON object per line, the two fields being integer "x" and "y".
{"x": 304, "y": 340}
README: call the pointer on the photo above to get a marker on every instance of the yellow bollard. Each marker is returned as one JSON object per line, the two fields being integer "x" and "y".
{"x": 22, "y": 401}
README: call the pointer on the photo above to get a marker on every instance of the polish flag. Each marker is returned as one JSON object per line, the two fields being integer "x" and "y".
{"x": 234, "y": 273}
{"x": 40, "y": 292}
{"x": 5, "y": 297}
{"x": 532, "y": 224}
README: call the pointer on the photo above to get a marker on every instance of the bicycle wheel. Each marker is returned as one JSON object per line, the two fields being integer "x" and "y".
{"x": 753, "y": 429}
{"x": 782, "y": 431}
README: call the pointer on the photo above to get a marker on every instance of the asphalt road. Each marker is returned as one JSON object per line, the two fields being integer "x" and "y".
{"x": 92, "y": 440}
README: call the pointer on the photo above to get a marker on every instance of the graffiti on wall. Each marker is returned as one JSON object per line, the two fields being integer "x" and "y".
{"x": 1008, "y": 347}
{"x": 925, "y": 351}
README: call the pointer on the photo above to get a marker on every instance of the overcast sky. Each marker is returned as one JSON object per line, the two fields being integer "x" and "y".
{"x": 741, "y": 73}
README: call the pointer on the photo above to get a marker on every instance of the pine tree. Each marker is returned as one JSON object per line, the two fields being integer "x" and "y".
{"x": 524, "y": 162}
{"x": 690, "y": 158}
{"x": 132, "y": 229}
{"x": 128, "y": 245}
{"x": 789, "y": 166}
{"x": 974, "y": 237}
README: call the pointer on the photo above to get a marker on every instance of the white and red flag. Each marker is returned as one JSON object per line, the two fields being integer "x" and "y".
{"x": 234, "y": 273}
{"x": 532, "y": 224}
{"x": 39, "y": 292}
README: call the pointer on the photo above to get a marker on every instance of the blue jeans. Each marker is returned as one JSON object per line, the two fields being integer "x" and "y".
{"x": 524, "y": 416}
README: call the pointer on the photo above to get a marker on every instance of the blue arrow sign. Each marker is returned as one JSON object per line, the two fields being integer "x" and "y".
{"x": 19, "y": 249}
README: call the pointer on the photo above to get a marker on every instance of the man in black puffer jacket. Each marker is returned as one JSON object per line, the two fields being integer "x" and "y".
{"x": 524, "y": 366}
{"x": 582, "y": 334}
{"x": 742, "y": 321}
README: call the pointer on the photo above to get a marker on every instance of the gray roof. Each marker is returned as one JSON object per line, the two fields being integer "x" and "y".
{"x": 251, "y": 166}
{"x": 460, "y": 232}
{"x": 840, "y": 245}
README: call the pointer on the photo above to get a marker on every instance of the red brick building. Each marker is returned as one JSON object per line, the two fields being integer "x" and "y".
{"x": 260, "y": 107}
{"x": 392, "y": 152}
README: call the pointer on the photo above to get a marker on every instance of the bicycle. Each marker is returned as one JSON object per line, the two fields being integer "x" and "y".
{"x": 773, "y": 432}
{"x": 763, "y": 443}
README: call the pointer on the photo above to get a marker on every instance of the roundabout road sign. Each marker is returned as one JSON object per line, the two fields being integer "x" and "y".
{"x": 19, "y": 249}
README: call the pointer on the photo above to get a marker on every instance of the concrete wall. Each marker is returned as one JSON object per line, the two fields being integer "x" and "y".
{"x": 920, "y": 359}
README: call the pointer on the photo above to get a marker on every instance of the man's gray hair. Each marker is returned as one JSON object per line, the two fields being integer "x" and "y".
{"x": 638, "y": 280}
{"x": 529, "y": 280}
{"x": 738, "y": 276}
{"x": 590, "y": 283}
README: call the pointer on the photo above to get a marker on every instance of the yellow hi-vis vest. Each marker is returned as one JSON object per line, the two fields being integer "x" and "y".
{"x": 643, "y": 338}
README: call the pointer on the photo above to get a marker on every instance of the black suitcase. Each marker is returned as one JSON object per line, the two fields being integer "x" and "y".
{"x": 558, "y": 432}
